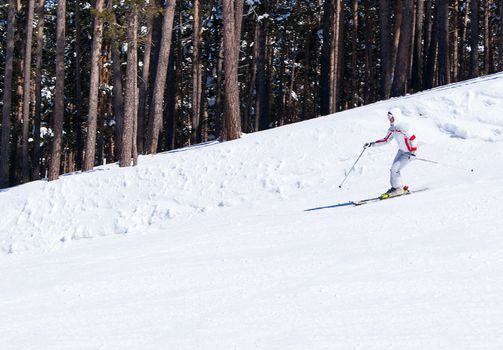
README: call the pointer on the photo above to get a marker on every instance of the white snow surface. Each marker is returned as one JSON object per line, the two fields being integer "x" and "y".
{"x": 250, "y": 244}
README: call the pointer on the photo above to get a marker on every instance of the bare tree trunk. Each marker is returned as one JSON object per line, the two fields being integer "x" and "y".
{"x": 464, "y": 40}
{"x": 432, "y": 54}
{"x": 336, "y": 54}
{"x": 231, "y": 129}
{"x": 412, "y": 45}
{"x": 7, "y": 96}
{"x": 59, "y": 103}
{"x": 219, "y": 91}
{"x": 354, "y": 55}
{"x": 290, "y": 102}
{"x": 174, "y": 73}
{"x": 369, "y": 93}
{"x": 455, "y": 42}
{"x": 305, "y": 73}
{"x": 487, "y": 36}
{"x": 94, "y": 89}
{"x": 400, "y": 79}
{"x": 386, "y": 49}
{"x": 130, "y": 106}
{"x": 196, "y": 76}
{"x": 117, "y": 99}
{"x": 443, "y": 42}
{"x": 474, "y": 56}
{"x": 142, "y": 99}
{"x": 134, "y": 149}
{"x": 78, "y": 89}
{"x": 262, "y": 107}
{"x": 25, "y": 158}
{"x": 251, "y": 72}
{"x": 325, "y": 59}
{"x": 156, "y": 112}
{"x": 117, "y": 92}
{"x": 38, "y": 91}
{"x": 418, "y": 60}
{"x": 397, "y": 32}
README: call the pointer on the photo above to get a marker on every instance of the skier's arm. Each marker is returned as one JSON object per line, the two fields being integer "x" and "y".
{"x": 386, "y": 139}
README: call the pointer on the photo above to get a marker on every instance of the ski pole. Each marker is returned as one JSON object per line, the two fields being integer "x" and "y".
{"x": 446, "y": 165}
{"x": 349, "y": 172}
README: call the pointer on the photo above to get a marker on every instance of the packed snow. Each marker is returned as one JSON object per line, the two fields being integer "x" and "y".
{"x": 251, "y": 244}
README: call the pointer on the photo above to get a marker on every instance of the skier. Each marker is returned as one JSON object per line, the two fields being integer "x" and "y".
{"x": 407, "y": 147}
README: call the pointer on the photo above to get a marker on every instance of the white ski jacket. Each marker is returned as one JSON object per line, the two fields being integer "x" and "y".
{"x": 404, "y": 137}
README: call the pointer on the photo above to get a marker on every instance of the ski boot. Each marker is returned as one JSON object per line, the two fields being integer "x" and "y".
{"x": 393, "y": 192}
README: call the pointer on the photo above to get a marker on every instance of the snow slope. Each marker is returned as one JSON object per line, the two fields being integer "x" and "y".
{"x": 250, "y": 244}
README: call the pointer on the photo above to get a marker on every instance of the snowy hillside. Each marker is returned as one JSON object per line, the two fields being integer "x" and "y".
{"x": 250, "y": 244}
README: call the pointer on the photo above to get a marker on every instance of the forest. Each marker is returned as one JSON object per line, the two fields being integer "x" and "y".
{"x": 86, "y": 83}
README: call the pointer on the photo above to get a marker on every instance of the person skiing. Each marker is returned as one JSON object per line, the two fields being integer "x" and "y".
{"x": 407, "y": 147}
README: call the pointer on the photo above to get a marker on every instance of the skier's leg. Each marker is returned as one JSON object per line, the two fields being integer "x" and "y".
{"x": 401, "y": 161}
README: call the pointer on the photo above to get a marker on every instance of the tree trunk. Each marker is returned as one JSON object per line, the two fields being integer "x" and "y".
{"x": 325, "y": 59}
{"x": 306, "y": 74}
{"x": 418, "y": 60}
{"x": 7, "y": 96}
{"x": 455, "y": 42}
{"x": 474, "y": 41}
{"x": 143, "y": 90}
{"x": 464, "y": 64}
{"x": 117, "y": 92}
{"x": 369, "y": 93}
{"x": 487, "y": 37}
{"x": 38, "y": 91}
{"x": 78, "y": 89}
{"x": 386, "y": 49}
{"x": 154, "y": 59}
{"x": 336, "y": 54}
{"x": 130, "y": 106}
{"x": 354, "y": 55}
{"x": 251, "y": 74}
{"x": 117, "y": 99}
{"x": 262, "y": 106}
{"x": 196, "y": 76}
{"x": 231, "y": 129}
{"x": 134, "y": 150}
{"x": 443, "y": 43}
{"x": 174, "y": 72}
{"x": 400, "y": 79}
{"x": 219, "y": 90}
{"x": 156, "y": 113}
{"x": 59, "y": 103}
{"x": 25, "y": 159}
{"x": 432, "y": 54}
{"x": 94, "y": 89}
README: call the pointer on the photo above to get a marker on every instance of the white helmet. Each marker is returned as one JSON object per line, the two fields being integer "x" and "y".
{"x": 395, "y": 113}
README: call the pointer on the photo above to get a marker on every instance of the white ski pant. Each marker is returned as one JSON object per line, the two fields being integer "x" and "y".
{"x": 401, "y": 161}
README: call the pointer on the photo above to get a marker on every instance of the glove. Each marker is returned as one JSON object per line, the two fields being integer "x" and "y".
{"x": 369, "y": 144}
{"x": 412, "y": 156}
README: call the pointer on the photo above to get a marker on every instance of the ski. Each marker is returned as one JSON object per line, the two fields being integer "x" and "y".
{"x": 380, "y": 198}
